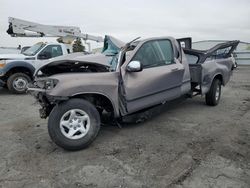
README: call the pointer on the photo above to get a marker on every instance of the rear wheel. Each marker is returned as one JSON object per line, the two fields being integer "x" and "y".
{"x": 74, "y": 124}
{"x": 17, "y": 83}
{"x": 214, "y": 94}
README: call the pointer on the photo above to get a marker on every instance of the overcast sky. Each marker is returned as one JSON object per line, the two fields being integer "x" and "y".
{"x": 127, "y": 19}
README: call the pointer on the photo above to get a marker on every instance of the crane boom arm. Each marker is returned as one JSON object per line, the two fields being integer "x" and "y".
{"x": 23, "y": 28}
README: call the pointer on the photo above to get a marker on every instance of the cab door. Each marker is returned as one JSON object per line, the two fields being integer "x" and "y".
{"x": 48, "y": 52}
{"x": 160, "y": 79}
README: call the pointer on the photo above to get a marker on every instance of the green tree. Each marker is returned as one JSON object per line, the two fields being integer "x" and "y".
{"x": 78, "y": 46}
{"x": 248, "y": 47}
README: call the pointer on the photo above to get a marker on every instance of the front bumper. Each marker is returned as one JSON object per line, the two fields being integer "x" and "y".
{"x": 47, "y": 102}
{"x": 42, "y": 99}
{"x": 40, "y": 96}
{"x": 38, "y": 92}
{"x": 34, "y": 90}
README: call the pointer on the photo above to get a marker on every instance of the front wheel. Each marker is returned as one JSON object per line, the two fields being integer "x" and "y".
{"x": 17, "y": 83}
{"x": 214, "y": 94}
{"x": 74, "y": 124}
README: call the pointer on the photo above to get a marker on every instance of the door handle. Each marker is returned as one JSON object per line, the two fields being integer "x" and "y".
{"x": 174, "y": 70}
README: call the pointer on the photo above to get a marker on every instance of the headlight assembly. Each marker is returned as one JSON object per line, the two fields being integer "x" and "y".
{"x": 45, "y": 83}
{"x": 2, "y": 63}
{"x": 50, "y": 84}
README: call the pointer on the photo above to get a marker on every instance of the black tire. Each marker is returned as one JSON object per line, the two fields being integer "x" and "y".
{"x": 11, "y": 80}
{"x": 211, "y": 98}
{"x": 54, "y": 124}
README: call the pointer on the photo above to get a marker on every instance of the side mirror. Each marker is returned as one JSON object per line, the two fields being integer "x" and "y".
{"x": 45, "y": 55}
{"x": 134, "y": 66}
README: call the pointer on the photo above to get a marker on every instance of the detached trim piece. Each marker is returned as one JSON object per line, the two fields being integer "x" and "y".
{"x": 36, "y": 89}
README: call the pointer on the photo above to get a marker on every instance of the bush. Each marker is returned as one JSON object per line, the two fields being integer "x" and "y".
{"x": 78, "y": 46}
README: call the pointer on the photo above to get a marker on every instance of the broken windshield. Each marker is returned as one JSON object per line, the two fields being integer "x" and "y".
{"x": 110, "y": 49}
{"x": 111, "y": 46}
{"x": 113, "y": 62}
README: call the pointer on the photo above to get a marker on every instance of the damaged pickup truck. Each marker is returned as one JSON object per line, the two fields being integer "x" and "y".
{"x": 75, "y": 90}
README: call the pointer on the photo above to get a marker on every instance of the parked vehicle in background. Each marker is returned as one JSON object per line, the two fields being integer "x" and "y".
{"x": 74, "y": 91}
{"x": 16, "y": 70}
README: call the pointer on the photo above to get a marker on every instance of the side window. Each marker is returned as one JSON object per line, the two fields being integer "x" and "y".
{"x": 220, "y": 53}
{"x": 146, "y": 55}
{"x": 56, "y": 50}
{"x": 51, "y": 51}
{"x": 167, "y": 51}
{"x": 155, "y": 53}
{"x": 192, "y": 59}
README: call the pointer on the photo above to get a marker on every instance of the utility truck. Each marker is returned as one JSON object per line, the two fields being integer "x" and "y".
{"x": 16, "y": 70}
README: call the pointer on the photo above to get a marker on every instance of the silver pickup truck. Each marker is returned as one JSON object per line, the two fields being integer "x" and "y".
{"x": 75, "y": 90}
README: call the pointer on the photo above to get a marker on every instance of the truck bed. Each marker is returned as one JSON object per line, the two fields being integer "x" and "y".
{"x": 205, "y": 65}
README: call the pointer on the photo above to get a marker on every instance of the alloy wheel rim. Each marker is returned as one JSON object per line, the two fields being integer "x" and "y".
{"x": 217, "y": 93}
{"x": 75, "y": 124}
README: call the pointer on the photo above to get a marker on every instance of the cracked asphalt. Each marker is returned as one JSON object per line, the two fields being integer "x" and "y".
{"x": 182, "y": 144}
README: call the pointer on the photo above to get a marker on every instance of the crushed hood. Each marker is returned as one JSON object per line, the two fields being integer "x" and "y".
{"x": 98, "y": 59}
{"x": 76, "y": 62}
{"x": 79, "y": 57}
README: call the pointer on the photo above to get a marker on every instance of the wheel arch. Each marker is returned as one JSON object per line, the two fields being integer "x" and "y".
{"x": 206, "y": 87}
{"x": 218, "y": 76}
{"x": 19, "y": 70}
{"x": 19, "y": 66}
{"x": 99, "y": 100}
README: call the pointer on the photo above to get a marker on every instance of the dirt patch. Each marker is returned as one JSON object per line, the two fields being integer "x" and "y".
{"x": 182, "y": 144}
